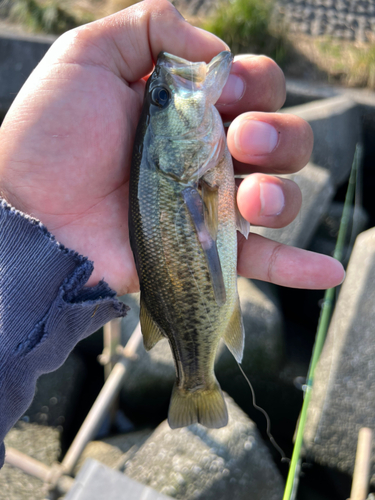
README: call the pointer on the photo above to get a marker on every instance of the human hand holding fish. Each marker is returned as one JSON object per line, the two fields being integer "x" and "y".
{"x": 69, "y": 136}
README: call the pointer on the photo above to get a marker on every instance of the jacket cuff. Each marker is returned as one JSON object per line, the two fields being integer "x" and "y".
{"x": 45, "y": 309}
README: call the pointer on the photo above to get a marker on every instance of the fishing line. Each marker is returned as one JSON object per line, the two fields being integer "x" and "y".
{"x": 284, "y": 458}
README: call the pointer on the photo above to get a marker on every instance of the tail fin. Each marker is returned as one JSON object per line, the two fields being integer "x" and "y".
{"x": 206, "y": 406}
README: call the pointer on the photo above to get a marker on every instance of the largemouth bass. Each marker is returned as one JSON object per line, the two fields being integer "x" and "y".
{"x": 183, "y": 219}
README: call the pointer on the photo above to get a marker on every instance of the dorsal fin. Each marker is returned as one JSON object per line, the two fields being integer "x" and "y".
{"x": 195, "y": 207}
{"x": 150, "y": 330}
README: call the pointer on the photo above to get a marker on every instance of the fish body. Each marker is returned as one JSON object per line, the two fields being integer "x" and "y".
{"x": 183, "y": 219}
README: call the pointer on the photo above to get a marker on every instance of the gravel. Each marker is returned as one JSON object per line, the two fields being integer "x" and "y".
{"x": 349, "y": 20}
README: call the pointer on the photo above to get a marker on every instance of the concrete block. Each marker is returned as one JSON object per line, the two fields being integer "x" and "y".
{"x": 327, "y": 232}
{"x": 216, "y": 464}
{"x": 18, "y": 57}
{"x": 343, "y": 397}
{"x": 98, "y": 482}
{"x": 302, "y": 91}
{"x": 317, "y": 192}
{"x": 57, "y": 394}
{"x": 114, "y": 451}
{"x": 337, "y": 130}
{"x": 39, "y": 442}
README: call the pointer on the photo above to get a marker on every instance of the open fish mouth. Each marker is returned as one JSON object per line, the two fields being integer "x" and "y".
{"x": 200, "y": 74}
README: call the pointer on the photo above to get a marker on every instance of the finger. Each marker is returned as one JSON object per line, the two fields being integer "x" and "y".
{"x": 267, "y": 260}
{"x": 269, "y": 201}
{"x": 128, "y": 42}
{"x": 255, "y": 83}
{"x": 276, "y": 143}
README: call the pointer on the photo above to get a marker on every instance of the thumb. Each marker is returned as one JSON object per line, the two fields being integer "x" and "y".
{"x": 128, "y": 42}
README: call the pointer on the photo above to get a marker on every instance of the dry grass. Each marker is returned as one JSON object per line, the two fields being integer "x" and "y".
{"x": 348, "y": 63}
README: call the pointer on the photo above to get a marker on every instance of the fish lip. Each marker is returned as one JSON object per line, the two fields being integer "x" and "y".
{"x": 179, "y": 67}
{"x": 190, "y": 71}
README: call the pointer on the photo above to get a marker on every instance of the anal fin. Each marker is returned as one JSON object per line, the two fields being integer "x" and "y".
{"x": 150, "y": 330}
{"x": 234, "y": 336}
{"x": 204, "y": 406}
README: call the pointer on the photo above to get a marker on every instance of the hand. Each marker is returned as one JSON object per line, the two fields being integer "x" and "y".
{"x": 66, "y": 144}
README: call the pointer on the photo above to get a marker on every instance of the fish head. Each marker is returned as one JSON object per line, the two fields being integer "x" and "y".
{"x": 180, "y": 93}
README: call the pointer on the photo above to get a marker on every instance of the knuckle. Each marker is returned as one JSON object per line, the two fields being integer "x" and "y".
{"x": 163, "y": 7}
{"x": 272, "y": 262}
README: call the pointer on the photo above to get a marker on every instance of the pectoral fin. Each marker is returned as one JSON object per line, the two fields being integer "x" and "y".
{"x": 150, "y": 330}
{"x": 196, "y": 209}
{"x": 242, "y": 225}
{"x": 234, "y": 336}
{"x": 210, "y": 197}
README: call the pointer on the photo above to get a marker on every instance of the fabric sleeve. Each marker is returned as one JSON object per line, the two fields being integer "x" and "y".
{"x": 45, "y": 309}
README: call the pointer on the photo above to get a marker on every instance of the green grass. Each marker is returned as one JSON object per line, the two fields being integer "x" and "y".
{"x": 46, "y": 17}
{"x": 324, "y": 321}
{"x": 245, "y": 25}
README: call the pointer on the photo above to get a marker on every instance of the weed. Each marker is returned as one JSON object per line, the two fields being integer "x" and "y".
{"x": 47, "y": 17}
{"x": 245, "y": 25}
{"x": 351, "y": 63}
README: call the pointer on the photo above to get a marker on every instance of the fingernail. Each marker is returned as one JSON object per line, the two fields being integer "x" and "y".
{"x": 233, "y": 90}
{"x": 255, "y": 137}
{"x": 272, "y": 199}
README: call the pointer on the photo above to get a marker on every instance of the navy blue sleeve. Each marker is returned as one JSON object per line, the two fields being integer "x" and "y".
{"x": 44, "y": 309}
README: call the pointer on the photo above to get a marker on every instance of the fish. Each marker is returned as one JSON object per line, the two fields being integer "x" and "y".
{"x": 183, "y": 221}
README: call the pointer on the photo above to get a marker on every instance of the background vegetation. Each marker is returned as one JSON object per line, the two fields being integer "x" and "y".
{"x": 246, "y": 26}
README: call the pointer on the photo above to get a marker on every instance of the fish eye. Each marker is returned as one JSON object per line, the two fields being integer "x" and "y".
{"x": 160, "y": 96}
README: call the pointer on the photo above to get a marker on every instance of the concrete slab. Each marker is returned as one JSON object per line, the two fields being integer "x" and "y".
{"x": 98, "y": 482}
{"x": 317, "y": 192}
{"x": 337, "y": 129}
{"x": 210, "y": 464}
{"x": 343, "y": 397}
{"x": 18, "y": 57}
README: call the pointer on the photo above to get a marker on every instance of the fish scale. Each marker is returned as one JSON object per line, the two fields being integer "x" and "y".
{"x": 185, "y": 253}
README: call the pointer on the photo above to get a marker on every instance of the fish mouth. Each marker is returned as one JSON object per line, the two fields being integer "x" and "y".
{"x": 193, "y": 71}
